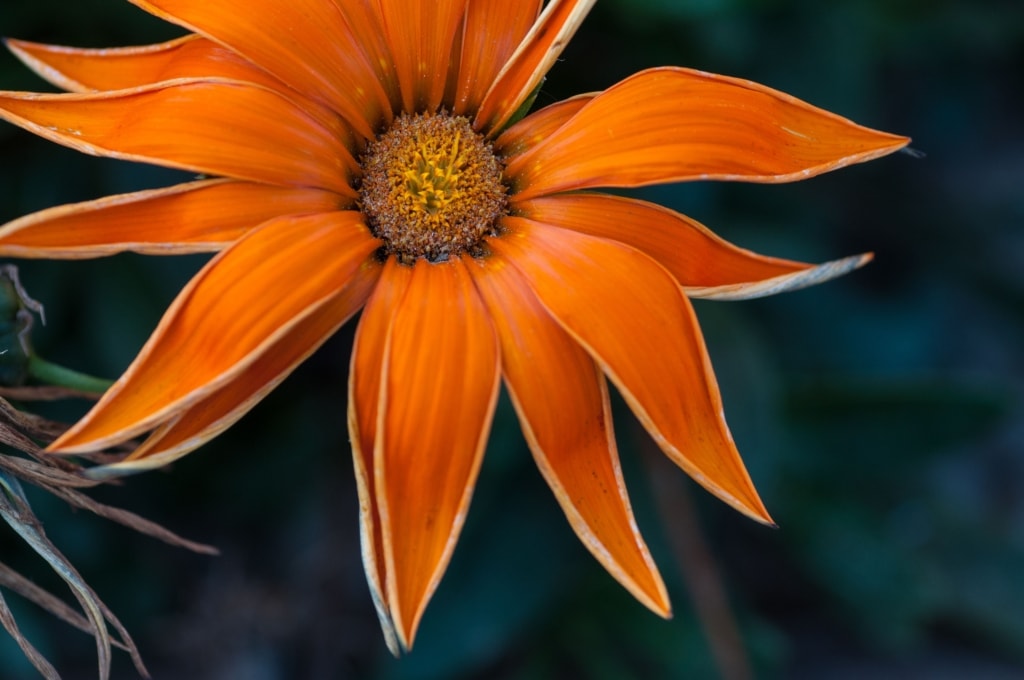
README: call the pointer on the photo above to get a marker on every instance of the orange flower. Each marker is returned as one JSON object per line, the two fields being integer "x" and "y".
{"x": 363, "y": 155}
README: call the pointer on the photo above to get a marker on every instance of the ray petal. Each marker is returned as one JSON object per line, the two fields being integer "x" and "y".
{"x": 191, "y": 57}
{"x": 213, "y": 127}
{"x": 694, "y": 255}
{"x": 364, "y": 388}
{"x": 492, "y": 33}
{"x": 562, "y": 400}
{"x": 531, "y": 61}
{"x": 674, "y": 124}
{"x": 96, "y": 69}
{"x": 304, "y": 43}
{"x": 631, "y": 316}
{"x": 202, "y": 216}
{"x": 365, "y": 21}
{"x": 439, "y": 387}
{"x": 784, "y": 283}
{"x": 538, "y": 126}
{"x": 237, "y": 307}
{"x": 211, "y": 416}
{"x": 420, "y": 35}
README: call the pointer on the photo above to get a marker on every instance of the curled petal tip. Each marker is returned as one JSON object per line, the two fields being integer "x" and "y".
{"x": 781, "y": 284}
{"x": 106, "y": 473}
{"x": 912, "y": 152}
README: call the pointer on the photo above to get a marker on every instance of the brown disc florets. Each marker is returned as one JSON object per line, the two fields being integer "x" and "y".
{"x": 431, "y": 187}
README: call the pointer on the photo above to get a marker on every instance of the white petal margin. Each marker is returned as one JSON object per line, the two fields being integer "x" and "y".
{"x": 54, "y": 76}
{"x": 780, "y": 284}
{"x": 496, "y": 101}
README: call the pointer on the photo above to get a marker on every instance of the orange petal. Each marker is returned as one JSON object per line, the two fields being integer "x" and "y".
{"x": 704, "y": 264}
{"x": 211, "y": 416}
{"x": 193, "y": 56}
{"x": 84, "y": 70}
{"x": 364, "y": 20}
{"x": 451, "y": 77}
{"x": 687, "y": 249}
{"x": 530, "y": 63}
{"x": 421, "y": 35}
{"x": 562, "y": 401}
{"x": 493, "y": 32}
{"x": 783, "y": 283}
{"x": 237, "y": 307}
{"x": 218, "y": 128}
{"x": 439, "y": 387}
{"x": 364, "y": 385}
{"x": 673, "y": 124}
{"x": 304, "y": 43}
{"x": 188, "y": 218}
{"x": 539, "y": 125}
{"x": 631, "y": 316}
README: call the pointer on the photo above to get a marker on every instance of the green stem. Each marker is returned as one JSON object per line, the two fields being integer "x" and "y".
{"x": 52, "y": 374}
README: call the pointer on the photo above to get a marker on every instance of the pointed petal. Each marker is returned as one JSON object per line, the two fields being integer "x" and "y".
{"x": 211, "y": 416}
{"x": 364, "y": 386}
{"x": 539, "y": 125}
{"x": 630, "y": 315}
{"x": 783, "y": 283}
{"x": 439, "y": 387}
{"x": 673, "y": 124}
{"x": 304, "y": 43}
{"x": 97, "y": 69}
{"x": 237, "y": 307}
{"x": 191, "y": 57}
{"x": 562, "y": 401}
{"x": 530, "y": 62}
{"x": 421, "y": 35}
{"x": 218, "y": 128}
{"x": 492, "y": 33}
{"x": 687, "y": 249}
{"x": 195, "y": 217}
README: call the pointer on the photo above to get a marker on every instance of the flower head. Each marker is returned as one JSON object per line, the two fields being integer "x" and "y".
{"x": 365, "y": 155}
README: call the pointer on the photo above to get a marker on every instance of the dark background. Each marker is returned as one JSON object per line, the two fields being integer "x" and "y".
{"x": 881, "y": 415}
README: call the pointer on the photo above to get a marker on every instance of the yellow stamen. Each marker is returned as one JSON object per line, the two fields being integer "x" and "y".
{"x": 431, "y": 187}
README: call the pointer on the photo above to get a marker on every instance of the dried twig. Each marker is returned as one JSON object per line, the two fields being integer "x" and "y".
{"x": 44, "y": 599}
{"x": 62, "y": 478}
{"x": 40, "y": 663}
{"x": 132, "y": 521}
{"x": 44, "y": 393}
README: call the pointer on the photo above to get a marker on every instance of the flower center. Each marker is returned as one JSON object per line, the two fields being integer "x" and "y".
{"x": 431, "y": 187}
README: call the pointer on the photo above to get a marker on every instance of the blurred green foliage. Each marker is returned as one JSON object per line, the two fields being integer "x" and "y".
{"x": 881, "y": 415}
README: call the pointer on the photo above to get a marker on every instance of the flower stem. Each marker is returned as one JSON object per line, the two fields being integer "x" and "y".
{"x": 697, "y": 562}
{"x": 52, "y": 374}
